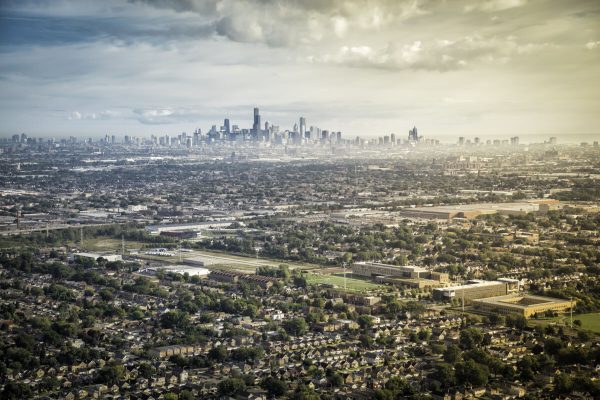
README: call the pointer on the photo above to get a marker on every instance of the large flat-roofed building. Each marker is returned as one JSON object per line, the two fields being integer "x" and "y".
{"x": 408, "y": 282}
{"x": 95, "y": 256}
{"x": 191, "y": 227}
{"x": 470, "y": 211}
{"x": 178, "y": 269}
{"x": 373, "y": 269}
{"x": 476, "y": 289}
{"x": 525, "y": 305}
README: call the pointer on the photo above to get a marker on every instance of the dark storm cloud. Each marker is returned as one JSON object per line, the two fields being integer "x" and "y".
{"x": 24, "y": 29}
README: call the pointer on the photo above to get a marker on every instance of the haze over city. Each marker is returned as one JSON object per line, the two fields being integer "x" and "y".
{"x": 493, "y": 68}
{"x": 299, "y": 199}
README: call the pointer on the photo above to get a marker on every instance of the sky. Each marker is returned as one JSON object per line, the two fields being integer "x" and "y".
{"x": 487, "y": 68}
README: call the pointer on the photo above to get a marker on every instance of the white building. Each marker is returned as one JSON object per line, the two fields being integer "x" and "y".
{"x": 178, "y": 269}
{"x": 95, "y": 256}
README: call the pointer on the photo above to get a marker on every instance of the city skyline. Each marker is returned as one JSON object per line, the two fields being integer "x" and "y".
{"x": 273, "y": 135}
{"x": 489, "y": 69}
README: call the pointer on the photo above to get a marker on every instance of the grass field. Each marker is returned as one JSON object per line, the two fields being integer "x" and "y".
{"x": 213, "y": 259}
{"x": 219, "y": 260}
{"x": 109, "y": 244}
{"x": 589, "y": 321}
{"x": 353, "y": 284}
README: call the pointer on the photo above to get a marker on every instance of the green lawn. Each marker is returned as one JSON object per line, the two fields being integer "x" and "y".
{"x": 589, "y": 321}
{"x": 353, "y": 284}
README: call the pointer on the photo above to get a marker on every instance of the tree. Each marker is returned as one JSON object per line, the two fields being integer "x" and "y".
{"x": 496, "y": 319}
{"x": 186, "y": 395}
{"x": 16, "y": 391}
{"x": 472, "y": 373}
{"x": 231, "y": 387}
{"x": 552, "y": 345}
{"x": 178, "y": 360}
{"x": 444, "y": 373}
{"x": 146, "y": 370}
{"x": 174, "y": 320}
{"x": 295, "y": 326}
{"x": 336, "y": 380}
{"x": 563, "y": 383}
{"x": 366, "y": 341}
{"x": 424, "y": 334}
{"x": 470, "y": 338}
{"x": 365, "y": 321}
{"x": 394, "y": 307}
{"x": 452, "y": 354}
{"x": 487, "y": 339}
{"x": 384, "y": 394}
{"x": 284, "y": 272}
{"x": 274, "y": 386}
{"x": 305, "y": 393}
{"x": 247, "y": 353}
{"x": 584, "y": 336}
{"x": 399, "y": 387}
{"x": 218, "y": 353}
{"x": 111, "y": 374}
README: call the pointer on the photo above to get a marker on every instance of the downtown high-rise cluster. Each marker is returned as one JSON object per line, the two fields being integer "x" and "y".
{"x": 266, "y": 133}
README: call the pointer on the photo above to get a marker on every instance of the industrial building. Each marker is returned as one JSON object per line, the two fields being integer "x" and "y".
{"x": 178, "y": 269}
{"x": 476, "y": 289}
{"x": 95, "y": 256}
{"x": 191, "y": 227}
{"x": 372, "y": 269}
{"x": 400, "y": 275}
{"x": 470, "y": 211}
{"x": 525, "y": 305}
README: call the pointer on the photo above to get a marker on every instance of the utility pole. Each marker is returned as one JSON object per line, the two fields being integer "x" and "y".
{"x": 571, "y": 312}
{"x": 355, "y": 183}
{"x": 81, "y": 237}
{"x": 46, "y": 230}
{"x": 344, "y": 265}
{"x": 122, "y": 244}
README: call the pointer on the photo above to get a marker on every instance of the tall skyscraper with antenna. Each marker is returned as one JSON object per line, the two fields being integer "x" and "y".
{"x": 302, "y": 126}
{"x": 413, "y": 136}
{"x": 256, "y": 124}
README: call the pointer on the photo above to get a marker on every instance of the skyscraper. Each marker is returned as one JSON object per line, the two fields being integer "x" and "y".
{"x": 226, "y": 125}
{"x": 413, "y": 136}
{"x": 302, "y": 126}
{"x": 256, "y": 125}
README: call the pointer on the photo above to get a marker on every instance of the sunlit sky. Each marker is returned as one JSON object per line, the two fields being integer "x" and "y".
{"x": 488, "y": 68}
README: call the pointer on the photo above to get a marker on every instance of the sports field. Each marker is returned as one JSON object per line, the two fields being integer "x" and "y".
{"x": 353, "y": 284}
